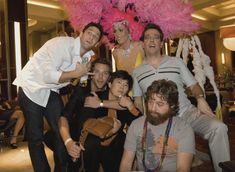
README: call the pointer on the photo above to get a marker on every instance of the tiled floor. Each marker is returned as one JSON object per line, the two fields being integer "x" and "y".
{"x": 18, "y": 160}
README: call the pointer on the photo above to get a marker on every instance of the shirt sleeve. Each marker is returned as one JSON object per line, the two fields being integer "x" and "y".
{"x": 137, "y": 91}
{"x": 131, "y": 139}
{"x": 51, "y": 56}
{"x": 53, "y": 62}
{"x": 186, "y": 75}
{"x": 186, "y": 138}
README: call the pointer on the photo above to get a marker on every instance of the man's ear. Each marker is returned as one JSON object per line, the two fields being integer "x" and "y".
{"x": 81, "y": 33}
{"x": 109, "y": 84}
{"x": 142, "y": 44}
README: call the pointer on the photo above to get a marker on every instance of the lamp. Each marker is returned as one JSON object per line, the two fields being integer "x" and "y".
{"x": 32, "y": 22}
{"x": 229, "y": 43}
{"x": 228, "y": 36}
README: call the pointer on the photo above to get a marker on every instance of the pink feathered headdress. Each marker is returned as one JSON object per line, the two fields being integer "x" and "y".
{"x": 114, "y": 15}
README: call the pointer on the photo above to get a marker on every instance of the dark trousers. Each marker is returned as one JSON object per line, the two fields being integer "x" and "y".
{"x": 49, "y": 140}
{"x": 34, "y": 128}
{"x": 108, "y": 156}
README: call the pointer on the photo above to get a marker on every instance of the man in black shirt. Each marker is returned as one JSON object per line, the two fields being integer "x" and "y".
{"x": 101, "y": 69}
{"x": 69, "y": 121}
{"x": 95, "y": 153}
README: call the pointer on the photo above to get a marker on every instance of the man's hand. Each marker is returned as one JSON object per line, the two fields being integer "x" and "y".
{"x": 81, "y": 70}
{"x": 203, "y": 107}
{"x": 74, "y": 149}
{"x": 92, "y": 101}
{"x": 125, "y": 101}
{"x": 116, "y": 125}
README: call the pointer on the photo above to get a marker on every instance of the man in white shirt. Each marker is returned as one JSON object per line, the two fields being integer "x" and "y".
{"x": 52, "y": 67}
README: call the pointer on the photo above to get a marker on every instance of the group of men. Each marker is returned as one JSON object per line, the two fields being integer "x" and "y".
{"x": 159, "y": 140}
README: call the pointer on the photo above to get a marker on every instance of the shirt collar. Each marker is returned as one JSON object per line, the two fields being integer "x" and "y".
{"x": 77, "y": 46}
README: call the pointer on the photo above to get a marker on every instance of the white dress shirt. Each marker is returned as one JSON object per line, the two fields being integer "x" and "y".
{"x": 42, "y": 72}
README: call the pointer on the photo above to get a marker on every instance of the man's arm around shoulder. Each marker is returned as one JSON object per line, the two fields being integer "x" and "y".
{"x": 139, "y": 103}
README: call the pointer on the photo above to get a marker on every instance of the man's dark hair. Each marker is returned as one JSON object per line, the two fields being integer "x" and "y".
{"x": 101, "y": 61}
{"x": 121, "y": 74}
{"x": 152, "y": 26}
{"x": 97, "y": 25}
{"x": 167, "y": 90}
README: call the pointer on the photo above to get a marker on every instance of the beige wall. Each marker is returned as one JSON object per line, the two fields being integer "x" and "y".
{"x": 37, "y": 39}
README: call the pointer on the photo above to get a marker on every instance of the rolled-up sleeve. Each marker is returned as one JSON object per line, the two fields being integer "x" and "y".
{"x": 186, "y": 75}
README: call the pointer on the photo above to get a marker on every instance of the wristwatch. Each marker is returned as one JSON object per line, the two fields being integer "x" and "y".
{"x": 101, "y": 103}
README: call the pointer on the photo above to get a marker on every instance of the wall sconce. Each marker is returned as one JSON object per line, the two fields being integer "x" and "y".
{"x": 166, "y": 48}
{"x": 32, "y": 22}
{"x": 222, "y": 58}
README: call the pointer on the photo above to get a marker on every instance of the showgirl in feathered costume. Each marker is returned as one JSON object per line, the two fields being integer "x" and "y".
{"x": 173, "y": 16}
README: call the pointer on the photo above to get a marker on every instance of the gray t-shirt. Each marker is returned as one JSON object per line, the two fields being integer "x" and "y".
{"x": 171, "y": 68}
{"x": 181, "y": 139}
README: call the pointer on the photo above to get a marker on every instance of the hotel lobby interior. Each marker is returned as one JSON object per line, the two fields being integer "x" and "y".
{"x": 41, "y": 20}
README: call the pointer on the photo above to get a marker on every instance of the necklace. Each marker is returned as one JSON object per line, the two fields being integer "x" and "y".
{"x": 143, "y": 146}
{"x": 127, "y": 52}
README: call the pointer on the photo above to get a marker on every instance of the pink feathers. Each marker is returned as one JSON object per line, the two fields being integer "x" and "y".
{"x": 82, "y": 12}
{"x": 173, "y": 16}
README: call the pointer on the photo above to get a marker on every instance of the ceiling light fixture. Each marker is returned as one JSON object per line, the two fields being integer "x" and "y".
{"x": 229, "y": 43}
{"x": 227, "y": 18}
{"x": 198, "y": 17}
{"x": 43, "y": 4}
{"x": 228, "y": 36}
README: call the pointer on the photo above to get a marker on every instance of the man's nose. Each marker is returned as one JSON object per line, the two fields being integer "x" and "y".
{"x": 100, "y": 75}
{"x": 154, "y": 107}
{"x": 91, "y": 37}
{"x": 151, "y": 39}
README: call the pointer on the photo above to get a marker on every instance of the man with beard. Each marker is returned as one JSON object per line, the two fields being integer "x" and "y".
{"x": 201, "y": 118}
{"x": 160, "y": 141}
